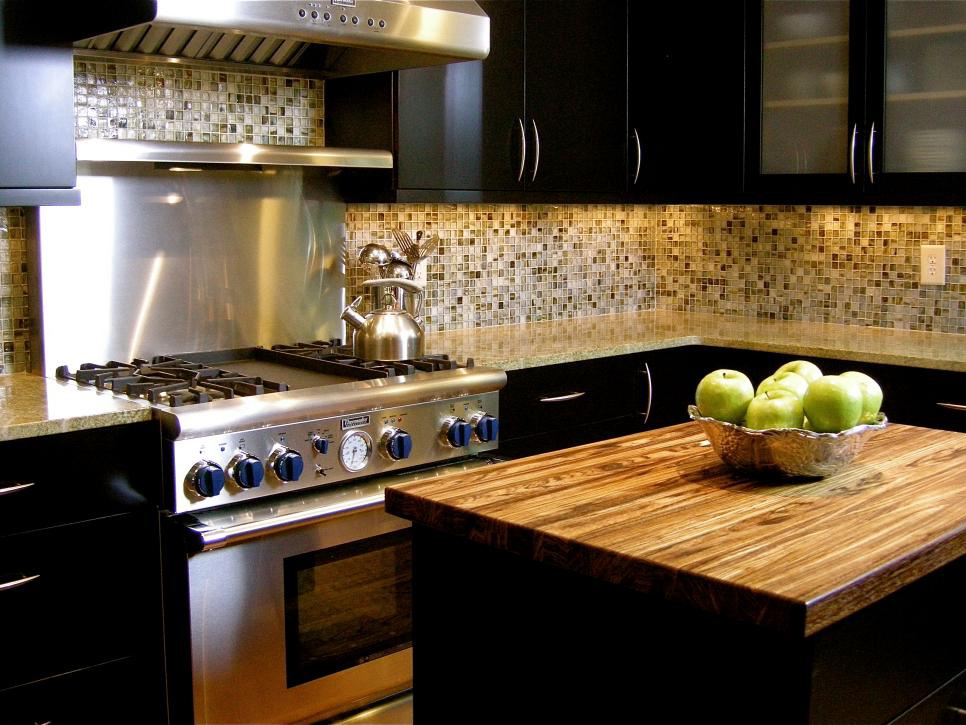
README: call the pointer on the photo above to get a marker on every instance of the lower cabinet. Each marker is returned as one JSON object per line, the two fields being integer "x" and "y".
{"x": 559, "y": 406}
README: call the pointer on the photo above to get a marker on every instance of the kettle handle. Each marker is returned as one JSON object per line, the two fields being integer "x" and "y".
{"x": 406, "y": 284}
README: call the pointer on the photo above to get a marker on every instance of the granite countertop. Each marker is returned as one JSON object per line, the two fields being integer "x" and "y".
{"x": 659, "y": 512}
{"x": 545, "y": 343}
{"x": 32, "y": 406}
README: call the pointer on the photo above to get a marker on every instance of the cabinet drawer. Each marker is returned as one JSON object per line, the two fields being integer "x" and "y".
{"x": 83, "y": 598}
{"x": 64, "y": 478}
{"x": 110, "y": 693}
{"x": 557, "y": 398}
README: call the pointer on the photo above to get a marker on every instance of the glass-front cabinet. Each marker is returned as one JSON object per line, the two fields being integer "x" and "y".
{"x": 861, "y": 100}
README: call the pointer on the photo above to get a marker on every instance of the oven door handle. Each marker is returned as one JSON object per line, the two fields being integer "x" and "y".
{"x": 202, "y": 537}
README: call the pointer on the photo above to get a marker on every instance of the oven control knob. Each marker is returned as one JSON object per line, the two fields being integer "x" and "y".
{"x": 486, "y": 427}
{"x": 207, "y": 478}
{"x": 398, "y": 444}
{"x": 288, "y": 465}
{"x": 457, "y": 432}
{"x": 320, "y": 444}
{"x": 247, "y": 471}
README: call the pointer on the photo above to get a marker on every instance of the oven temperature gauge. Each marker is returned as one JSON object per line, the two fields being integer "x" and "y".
{"x": 355, "y": 450}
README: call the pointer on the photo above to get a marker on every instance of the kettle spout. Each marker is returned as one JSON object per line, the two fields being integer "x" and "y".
{"x": 352, "y": 316}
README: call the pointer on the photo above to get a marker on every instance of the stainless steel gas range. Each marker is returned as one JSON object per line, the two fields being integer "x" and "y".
{"x": 276, "y": 463}
{"x": 287, "y": 586}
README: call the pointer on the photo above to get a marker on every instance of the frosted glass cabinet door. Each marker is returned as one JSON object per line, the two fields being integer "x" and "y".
{"x": 925, "y": 87}
{"x": 805, "y": 87}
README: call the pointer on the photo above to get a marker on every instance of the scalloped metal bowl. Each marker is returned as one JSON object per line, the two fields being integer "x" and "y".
{"x": 786, "y": 451}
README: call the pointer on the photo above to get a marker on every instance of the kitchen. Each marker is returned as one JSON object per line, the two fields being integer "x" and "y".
{"x": 572, "y": 260}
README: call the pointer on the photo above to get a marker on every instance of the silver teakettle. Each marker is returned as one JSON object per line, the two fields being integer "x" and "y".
{"x": 390, "y": 332}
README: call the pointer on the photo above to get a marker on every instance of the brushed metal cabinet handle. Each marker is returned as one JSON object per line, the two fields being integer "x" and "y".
{"x": 523, "y": 150}
{"x": 870, "y": 153}
{"x": 536, "y": 150}
{"x": 18, "y": 582}
{"x": 650, "y": 392}
{"x": 562, "y": 398}
{"x": 637, "y": 169}
{"x": 952, "y": 406}
{"x": 14, "y": 488}
{"x": 855, "y": 136}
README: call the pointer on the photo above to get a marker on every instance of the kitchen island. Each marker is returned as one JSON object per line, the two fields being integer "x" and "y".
{"x": 639, "y": 579}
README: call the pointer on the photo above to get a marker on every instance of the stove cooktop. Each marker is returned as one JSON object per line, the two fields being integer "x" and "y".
{"x": 190, "y": 378}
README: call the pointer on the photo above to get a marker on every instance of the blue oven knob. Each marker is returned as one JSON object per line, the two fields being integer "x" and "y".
{"x": 399, "y": 444}
{"x": 457, "y": 432}
{"x": 320, "y": 444}
{"x": 247, "y": 471}
{"x": 288, "y": 465}
{"x": 207, "y": 478}
{"x": 487, "y": 428}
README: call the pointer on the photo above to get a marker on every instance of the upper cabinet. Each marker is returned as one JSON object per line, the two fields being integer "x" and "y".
{"x": 37, "y": 164}
{"x": 685, "y": 92}
{"x": 542, "y": 118}
{"x": 857, "y": 101}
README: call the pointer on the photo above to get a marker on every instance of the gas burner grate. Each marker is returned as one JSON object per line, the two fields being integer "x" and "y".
{"x": 334, "y": 352}
{"x": 169, "y": 381}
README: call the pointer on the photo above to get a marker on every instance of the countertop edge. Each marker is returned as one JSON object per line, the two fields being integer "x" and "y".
{"x": 37, "y": 429}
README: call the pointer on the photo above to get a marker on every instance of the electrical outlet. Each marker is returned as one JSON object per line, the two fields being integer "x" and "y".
{"x": 932, "y": 264}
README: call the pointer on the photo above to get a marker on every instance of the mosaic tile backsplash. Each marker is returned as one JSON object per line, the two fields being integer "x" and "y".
{"x": 502, "y": 264}
{"x": 14, "y": 308}
{"x": 181, "y": 102}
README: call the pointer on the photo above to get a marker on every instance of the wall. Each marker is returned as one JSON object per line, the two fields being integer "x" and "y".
{"x": 853, "y": 265}
{"x": 501, "y": 264}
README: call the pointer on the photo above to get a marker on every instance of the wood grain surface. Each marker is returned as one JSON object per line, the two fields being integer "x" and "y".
{"x": 658, "y": 511}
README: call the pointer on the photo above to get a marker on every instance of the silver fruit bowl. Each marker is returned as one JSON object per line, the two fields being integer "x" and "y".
{"x": 786, "y": 451}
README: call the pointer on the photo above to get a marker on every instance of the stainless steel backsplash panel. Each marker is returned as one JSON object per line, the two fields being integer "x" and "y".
{"x": 157, "y": 261}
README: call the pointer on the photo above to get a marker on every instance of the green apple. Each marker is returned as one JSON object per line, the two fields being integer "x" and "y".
{"x": 724, "y": 395}
{"x": 792, "y": 382}
{"x": 775, "y": 409}
{"x": 871, "y": 395}
{"x": 806, "y": 425}
{"x": 833, "y": 404}
{"x": 809, "y": 371}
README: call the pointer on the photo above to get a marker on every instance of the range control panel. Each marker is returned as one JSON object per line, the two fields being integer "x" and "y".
{"x": 239, "y": 466}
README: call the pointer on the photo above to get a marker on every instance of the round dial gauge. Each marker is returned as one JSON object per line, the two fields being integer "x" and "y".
{"x": 355, "y": 450}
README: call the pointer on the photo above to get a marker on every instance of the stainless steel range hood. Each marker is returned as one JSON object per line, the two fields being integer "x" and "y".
{"x": 331, "y": 37}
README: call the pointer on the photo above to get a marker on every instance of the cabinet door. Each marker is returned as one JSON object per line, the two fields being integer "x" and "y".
{"x": 917, "y": 100}
{"x": 686, "y": 101}
{"x": 806, "y": 99}
{"x": 461, "y": 126}
{"x": 576, "y": 95}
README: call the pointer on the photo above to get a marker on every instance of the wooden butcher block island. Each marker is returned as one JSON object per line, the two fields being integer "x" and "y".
{"x": 640, "y": 579}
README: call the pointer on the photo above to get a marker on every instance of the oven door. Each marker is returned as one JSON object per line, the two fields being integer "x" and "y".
{"x": 299, "y": 616}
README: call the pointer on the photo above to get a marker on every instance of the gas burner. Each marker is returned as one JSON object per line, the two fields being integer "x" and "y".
{"x": 335, "y": 352}
{"x": 169, "y": 381}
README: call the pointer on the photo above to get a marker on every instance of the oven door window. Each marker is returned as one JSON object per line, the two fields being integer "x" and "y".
{"x": 347, "y": 605}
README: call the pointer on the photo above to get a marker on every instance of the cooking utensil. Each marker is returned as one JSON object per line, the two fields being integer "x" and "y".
{"x": 426, "y": 249}
{"x": 409, "y": 248}
{"x": 388, "y": 333}
{"x": 375, "y": 255}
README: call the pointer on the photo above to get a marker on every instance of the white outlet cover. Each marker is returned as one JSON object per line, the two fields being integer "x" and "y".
{"x": 932, "y": 264}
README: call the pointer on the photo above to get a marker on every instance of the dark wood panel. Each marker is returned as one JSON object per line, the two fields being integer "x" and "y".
{"x": 658, "y": 511}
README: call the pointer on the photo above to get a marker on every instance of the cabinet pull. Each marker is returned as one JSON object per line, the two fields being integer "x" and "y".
{"x": 637, "y": 168}
{"x": 7, "y": 488}
{"x": 523, "y": 150}
{"x": 562, "y": 398}
{"x": 870, "y": 153}
{"x": 953, "y": 406}
{"x": 18, "y": 582}
{"x": 650, "y": 392}
{"x": 855, "y": 136}
{"x": 536, "y": 150}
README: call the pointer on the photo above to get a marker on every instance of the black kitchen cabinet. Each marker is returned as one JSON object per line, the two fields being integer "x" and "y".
{"x": 37, "y": 166}
{"x": 686, "y": 85}
{"x": 860, "y": 102}
{"x": 80, "y": 585}
{"x": 543, "y": 118}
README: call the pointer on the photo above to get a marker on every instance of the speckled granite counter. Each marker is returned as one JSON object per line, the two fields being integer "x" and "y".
{"x": 33, "y": 406}
{"x": 544, "y": 343}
